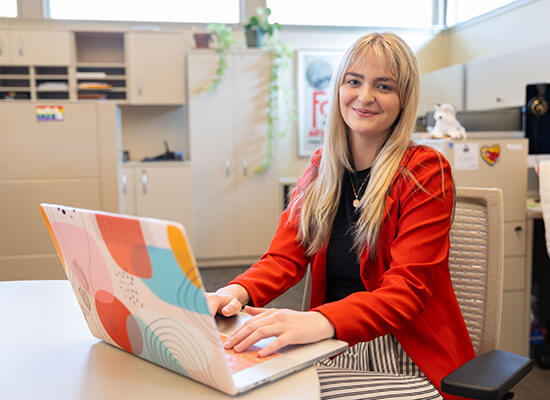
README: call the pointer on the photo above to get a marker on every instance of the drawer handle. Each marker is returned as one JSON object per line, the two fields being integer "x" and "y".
{"x": 518, "y": 229}
{"x": 124, "y": 183}
{"x": 144, "y": 182}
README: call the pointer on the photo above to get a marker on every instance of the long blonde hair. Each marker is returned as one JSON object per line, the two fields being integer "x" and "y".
{"x": 316, "y": 205}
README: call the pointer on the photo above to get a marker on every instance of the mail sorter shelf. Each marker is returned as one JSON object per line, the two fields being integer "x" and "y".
{"x": 51, "y": 82}
{"x": 101, "y": 82}
{"x": 15, "y": 82}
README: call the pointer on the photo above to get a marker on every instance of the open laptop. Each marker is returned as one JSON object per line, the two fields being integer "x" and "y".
{"x": 139, "y": 288}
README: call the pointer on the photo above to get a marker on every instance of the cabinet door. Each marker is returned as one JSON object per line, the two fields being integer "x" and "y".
{"x": 4, "y": 47}
{"x": 517, "y": 70}
{"x": 442, "y": 86}
{"x": 211, "y": 116}
{"x": 481, "y": 85}
{"x": 258, "y": 207}
{"x": 40, "y": 48}
{"x": 164, "y": 192}
{"x": 155, "y": 67}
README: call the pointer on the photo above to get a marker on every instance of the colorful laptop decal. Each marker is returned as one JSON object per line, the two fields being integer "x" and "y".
{"x": 122, "y": 270}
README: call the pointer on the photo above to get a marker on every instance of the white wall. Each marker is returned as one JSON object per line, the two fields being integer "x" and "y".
{"x": 516, "y": 28}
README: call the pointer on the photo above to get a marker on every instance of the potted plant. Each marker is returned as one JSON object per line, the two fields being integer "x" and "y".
{"x": 259, "y": 26}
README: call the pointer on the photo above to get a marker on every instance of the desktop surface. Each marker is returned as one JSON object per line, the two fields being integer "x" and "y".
{"x": 48, "y": 353}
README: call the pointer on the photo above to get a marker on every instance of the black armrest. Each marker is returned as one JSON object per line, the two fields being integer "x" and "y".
{"x": 488, "y": 376}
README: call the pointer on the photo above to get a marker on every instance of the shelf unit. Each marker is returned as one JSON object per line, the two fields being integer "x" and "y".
{"x": 51, "y": 82}
{"x": 15, "y": 82}
{"x": 111, "y": 74}
{"x": 100, "y": 60}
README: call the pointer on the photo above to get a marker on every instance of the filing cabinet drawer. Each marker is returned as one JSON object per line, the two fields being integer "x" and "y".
{"x": 514, "y": 272}
{"x": 514, "y": 238}
{"x": 24, "y": 231}
{"x": 515, "y": 326}
{"x": 33, "y": 149}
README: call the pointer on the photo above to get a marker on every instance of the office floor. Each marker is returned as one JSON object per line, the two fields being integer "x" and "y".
{"x": 533, "y": 387}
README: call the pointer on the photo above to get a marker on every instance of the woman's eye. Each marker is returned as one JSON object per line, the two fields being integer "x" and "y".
{"x": 385, "y": 88}
{"x": 353, "y": 82}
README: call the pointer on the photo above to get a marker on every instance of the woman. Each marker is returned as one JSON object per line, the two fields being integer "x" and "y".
{"x": 372, "y": 215}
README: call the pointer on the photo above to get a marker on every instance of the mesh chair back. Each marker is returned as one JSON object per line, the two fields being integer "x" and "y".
{"x": 476, "y": 263}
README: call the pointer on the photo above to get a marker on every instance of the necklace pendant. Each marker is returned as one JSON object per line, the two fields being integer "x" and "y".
{"x": 356, "y": 203}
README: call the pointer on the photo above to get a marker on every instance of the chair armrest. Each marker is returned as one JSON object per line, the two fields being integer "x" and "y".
{"x": 488, "y": 376}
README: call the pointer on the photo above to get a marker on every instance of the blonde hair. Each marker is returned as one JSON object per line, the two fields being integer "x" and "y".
{"x": 316, "y": 205}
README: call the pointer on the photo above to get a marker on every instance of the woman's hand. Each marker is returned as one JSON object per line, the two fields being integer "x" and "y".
{"x": 289, "y": 326}
{"x": 228, "y": 300}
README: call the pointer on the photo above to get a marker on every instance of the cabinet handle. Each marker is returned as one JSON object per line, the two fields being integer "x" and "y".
{"x": 227, "y": 168}
{"x": 498, "y": 99}
{"x": 518, "y": 229}
{"x": 245, "y": 168}
{"x": 124, "y": 182}
{"x": 20, "y": 47}
{"x": 1, "y": 47}
{"x": 139, "y": 88}
{"x": 144, "y": 181}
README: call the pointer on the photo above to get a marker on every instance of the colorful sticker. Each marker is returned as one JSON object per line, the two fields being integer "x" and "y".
{"x": 50, "y": 113}
{"x": 490, "y": 154}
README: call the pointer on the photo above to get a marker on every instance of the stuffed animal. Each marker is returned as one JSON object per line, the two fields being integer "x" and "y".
{"x": 446, "y": 124}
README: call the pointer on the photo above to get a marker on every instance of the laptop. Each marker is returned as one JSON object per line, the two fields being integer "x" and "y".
{"x": 139, "y": 288}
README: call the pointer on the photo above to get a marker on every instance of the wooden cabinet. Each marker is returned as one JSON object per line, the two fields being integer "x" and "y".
{"x": 158, "y": 190}
{"x": 235, "y": 208}
{"x": 155, "y": 67}
{"x": 43, "y": 48}
{"x": 500, "y": 81}
{"x": 71, "y": 162}
{"x": 445, "y": 85}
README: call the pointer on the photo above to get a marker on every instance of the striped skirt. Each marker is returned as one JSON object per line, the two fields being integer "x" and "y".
{"x": 379, "y": 369}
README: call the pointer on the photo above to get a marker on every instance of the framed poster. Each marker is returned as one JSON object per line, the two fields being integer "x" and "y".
{"x": 315, "y": 70}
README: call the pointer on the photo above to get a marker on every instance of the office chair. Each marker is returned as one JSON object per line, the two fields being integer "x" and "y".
{"x": 476, "y": 264}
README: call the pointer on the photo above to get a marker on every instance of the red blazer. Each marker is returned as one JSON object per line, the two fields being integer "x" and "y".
{"x": 408, "y": 285}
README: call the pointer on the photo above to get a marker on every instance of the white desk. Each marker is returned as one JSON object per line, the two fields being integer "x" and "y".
{"x": 47, "y": 352}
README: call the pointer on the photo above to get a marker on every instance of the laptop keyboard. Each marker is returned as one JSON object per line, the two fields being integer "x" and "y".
{"x": 246, "y": 359}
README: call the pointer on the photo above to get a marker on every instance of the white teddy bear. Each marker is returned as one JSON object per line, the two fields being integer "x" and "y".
{"x": 446, "y": 124}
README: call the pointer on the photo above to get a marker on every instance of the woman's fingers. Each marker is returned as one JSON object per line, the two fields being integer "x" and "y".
{"x": 231, "y": 308}
{"x": 255, "y": 336}
{"x": 254, "y": 310}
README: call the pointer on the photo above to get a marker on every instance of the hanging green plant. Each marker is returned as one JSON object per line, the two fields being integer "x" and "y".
{"x": 224, "y": 40}
{"x": 282, "y": 61}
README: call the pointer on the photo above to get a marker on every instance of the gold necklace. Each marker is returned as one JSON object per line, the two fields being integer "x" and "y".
{"x": 356, "y": 200}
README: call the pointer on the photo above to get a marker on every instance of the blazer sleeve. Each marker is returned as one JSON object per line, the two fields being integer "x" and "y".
{"x": 421, "y": 245}
{"x": 285, "y": 262}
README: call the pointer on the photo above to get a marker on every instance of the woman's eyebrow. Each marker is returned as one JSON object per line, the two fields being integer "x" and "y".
{"x": 379, "y": 79}
{"x": 354, "y": 74}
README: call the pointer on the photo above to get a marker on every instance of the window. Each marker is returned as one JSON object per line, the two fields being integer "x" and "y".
{"x": 376, "y": 13}
{"x": 206, "y": 11}
{"x": 463, "y": 10}
{"x": 8, "y": 8}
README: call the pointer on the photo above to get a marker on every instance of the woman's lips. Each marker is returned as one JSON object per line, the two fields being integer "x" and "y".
{"x": 362, "y": 112}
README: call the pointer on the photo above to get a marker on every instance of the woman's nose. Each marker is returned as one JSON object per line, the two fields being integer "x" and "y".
{"x": 366, "y": 95}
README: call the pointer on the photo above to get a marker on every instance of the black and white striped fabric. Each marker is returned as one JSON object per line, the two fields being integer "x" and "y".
{"x": 379, "y": 369}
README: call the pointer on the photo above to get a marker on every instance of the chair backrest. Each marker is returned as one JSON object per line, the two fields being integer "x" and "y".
{"x": 476, "y": 263}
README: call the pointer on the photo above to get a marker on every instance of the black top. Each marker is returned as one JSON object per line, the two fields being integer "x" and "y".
{"x": 343, "y": 277}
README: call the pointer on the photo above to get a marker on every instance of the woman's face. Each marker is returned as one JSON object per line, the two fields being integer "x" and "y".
{"x": 369, "y": 102}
